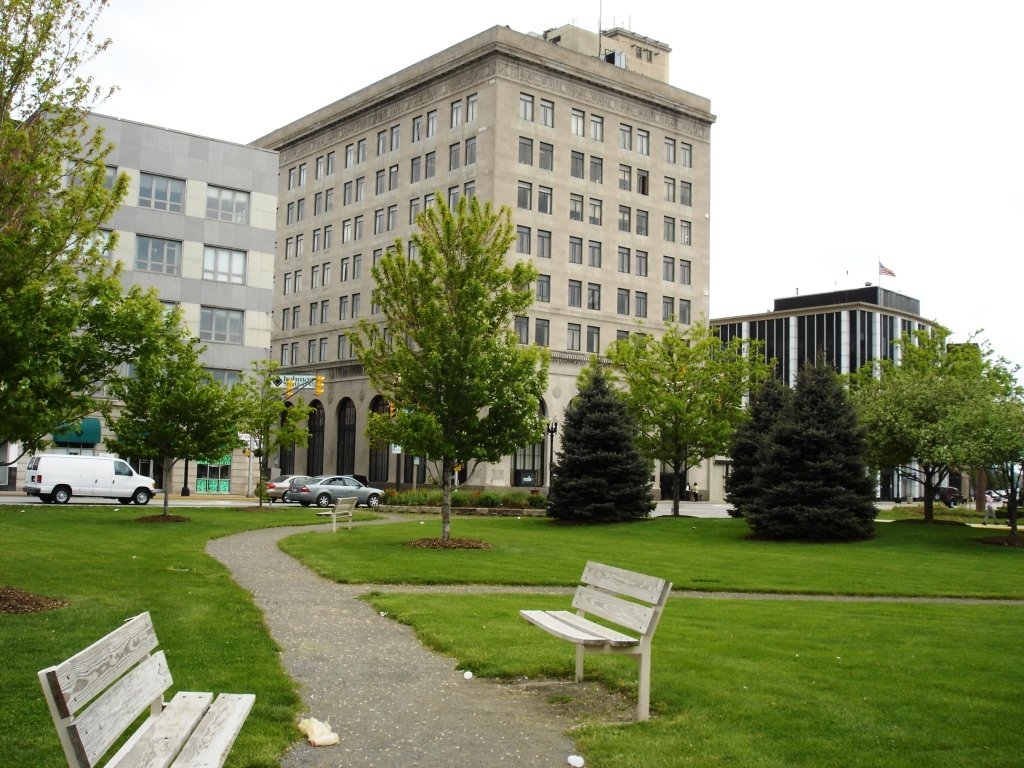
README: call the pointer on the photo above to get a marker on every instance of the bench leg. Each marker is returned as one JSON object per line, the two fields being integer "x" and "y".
{"x": 644, "y": 694}
{"x": 579, "y": 663}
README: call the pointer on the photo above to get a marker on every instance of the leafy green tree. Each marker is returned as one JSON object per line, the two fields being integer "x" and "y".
{"x": 1002, "y": 433}
{"x": 265, "y": 417}
{"x": 66, "y": 322}
{"x": 813, "y": 480}
{"x": 171, "y": 407}
{"x": 750, "y": 443}
{"x": 600, "y": 475}
{"x": 685, "y": 391}
{"x": 465, "y": 390}
{"x": 926, "y": 412}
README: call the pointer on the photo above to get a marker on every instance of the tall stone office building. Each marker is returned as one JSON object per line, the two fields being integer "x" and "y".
{"x": 605, "y": 168}
{"x": 198, "y": 225}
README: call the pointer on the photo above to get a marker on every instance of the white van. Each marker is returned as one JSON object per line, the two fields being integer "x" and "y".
{"x": 56, "y": 477}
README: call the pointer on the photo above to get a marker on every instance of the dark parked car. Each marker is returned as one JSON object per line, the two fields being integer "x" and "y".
{"x": 277, "y": 489}
{"x": 948, "y": 495}
{"x": 326, "y": 489}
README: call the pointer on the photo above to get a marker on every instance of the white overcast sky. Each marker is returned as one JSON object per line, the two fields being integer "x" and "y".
{"x": 848, "y": 134}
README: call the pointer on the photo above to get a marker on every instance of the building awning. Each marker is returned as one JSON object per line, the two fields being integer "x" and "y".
{"x": 84, "y": 432}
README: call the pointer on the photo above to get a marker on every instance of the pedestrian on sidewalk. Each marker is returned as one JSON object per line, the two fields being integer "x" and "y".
{"x": 696, "y": 493}
{"x": 990, "y": 509}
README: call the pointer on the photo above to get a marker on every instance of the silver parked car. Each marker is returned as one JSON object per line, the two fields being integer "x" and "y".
{"x": 326, "y": 489}
{"x": 277, "y": 489}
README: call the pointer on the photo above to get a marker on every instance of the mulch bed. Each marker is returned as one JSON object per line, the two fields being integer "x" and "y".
{"x": 163, "y": 519}
{"x": 19, "y": 601}
{"x": 448, "y": 544}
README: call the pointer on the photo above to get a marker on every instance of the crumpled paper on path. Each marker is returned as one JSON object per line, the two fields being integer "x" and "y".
{"x": 319, "y": 734}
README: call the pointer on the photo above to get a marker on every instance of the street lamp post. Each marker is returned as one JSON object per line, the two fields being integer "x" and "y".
{"x": 552, "y": 430}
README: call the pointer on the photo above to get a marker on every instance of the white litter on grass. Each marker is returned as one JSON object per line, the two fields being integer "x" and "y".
{"x": 422, "y": 522}
{"x": 383, "y": 614}
{"x": 575, "y": 761}
{"x": 318, "y": 733}
{"x": 468, "y": 675}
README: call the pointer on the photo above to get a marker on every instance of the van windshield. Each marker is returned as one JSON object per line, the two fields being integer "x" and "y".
{"x": 120, "y": 468}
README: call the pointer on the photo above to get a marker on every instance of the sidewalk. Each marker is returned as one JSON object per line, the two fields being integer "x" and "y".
{"x": 392, "y": 702}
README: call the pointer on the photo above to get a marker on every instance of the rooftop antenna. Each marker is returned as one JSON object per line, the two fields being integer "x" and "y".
{"x": 600, "y": 12}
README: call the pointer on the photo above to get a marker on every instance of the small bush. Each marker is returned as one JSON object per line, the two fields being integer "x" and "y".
{"x": 432, "y": 497}
{"x": 538, "y": 502}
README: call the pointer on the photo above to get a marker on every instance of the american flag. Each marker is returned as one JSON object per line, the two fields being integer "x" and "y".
{"x": 884, "y": 270}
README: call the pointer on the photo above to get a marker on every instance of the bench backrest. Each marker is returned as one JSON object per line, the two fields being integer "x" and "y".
{"x": 97, "y": 693}
{"x": 604, "y": 590}
{"x": 345, "y": 504}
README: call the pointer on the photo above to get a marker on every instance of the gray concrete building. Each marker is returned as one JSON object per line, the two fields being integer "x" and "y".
{"x": 198, "y": 224}
{"x": 604, "y": 165}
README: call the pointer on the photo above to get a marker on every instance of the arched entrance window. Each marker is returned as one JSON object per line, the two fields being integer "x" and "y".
{"x": 287, "y": 462}
{"x": 379, "y": 455}
{"x": 315, "y": 454}
{"x": 528, "y": 462}
{"x": 346, "y": 437}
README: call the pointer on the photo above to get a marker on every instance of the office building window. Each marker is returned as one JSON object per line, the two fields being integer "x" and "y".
{"x": 311, "y": 351}
{"x": 330, "y": 163}
{"x": 622, "y": 301}
{"x": 643, "y": 142}
{"x": 289, "y": 248}
{"x": 378, "y": 221}
{"x": 684, "y": 271}
{"x": 161, "y": 193}
{"x": 524, "y": 195}
{"x": 355, "y": 304}
{"x": 521, "y": 326}
{"x": 329, "y": 200}
{"x": 572, "y": 337}
{"x": 381, "y": 187}
{"x": 643, "y": 183}
{"x": 625, "y": 221}
{"x": 685, "y": 193}
{"x": 430, "y": 162}
{"x": 357, "y": 228}
{"x": 670, "y": 190}
{"x": 626, "y": 178}
{"x": 471, "y": 107}
{"x": 578, "y": 123}
{"x": 224, "y": 265}
{"x": 669, "y": 229}
{"x": 227, "y": 205}
{"x": 526, "y": 107}
{"x": 544, "y": 288}
{"x": 414, "y": 209}
{"x": 684, "y": 311}
{"x": 417, "y": 128}
{"x": 670, "y": 150}
{"x": 576, "y": 207}
{"x": 298, "y": 280}
{"x": 220, "y": 325}
{"x": 625, "y": 136}
{"x": 624, "y": 260}
{"x": 154, "y": 254}
{"x": 300, "y": 246}
{"x": 685, "y": 155}
{"x": 595, "y": 211}
{"x": 300, "y": 209}
{"x": 292, "y": 178}
{"x": 289, "y": 215}
{"x": 543, "y": 244}
{"x": 318, "y": 203}
{"x": 302, "y": 175}
{"x": 668, "y": 269}
{"x": 668, "y": 308}
{"x": 544, "y": 200}
{"x": 640, "y": 262}
{"x": 393, "y": 177}
{"x": 594, "y": 254}
{"x": 392, "y": 217}
{"x": 593, "y": 296}
{"x": 525, "y": 151}
{"x": 575, "y": 250}
{"x": 522, "y": 240}
{"x": 575, "y": 295}
{"x": 382, "y": 142}
{"x": 547, "y": 113}
{"x": 593, "y": 339}
{"x": 313, "y": 313}
{"x": 541, "y": 332}
{"x": 455, "y": 156}
{"x": 597, "y": 128}
{"x": 361, "y": 151}
{"x": 360, "y": 189}
{"x": 576, "y": 160}
{"x": 415, "y": 169}
{"x": 346, "y": 193}
{"x": 326, "y": 272}
{"x": 469, "y": 190}
{"x": 596, "y": 170}
{"x": 316, "y": 240}
{"x": 641, "y": 222}
{"x": 684, "y": 232}
{"x": 350, "y": 156}
{"x": 456, "y": 112}
{"x": 640, "y": 304}
{"x": 396, "y": 137}
{"x": 546, "y": 157}
{"x": 453, "y": 197}
{"x": 471, "y": 150}
{"x": 343, "y": 307}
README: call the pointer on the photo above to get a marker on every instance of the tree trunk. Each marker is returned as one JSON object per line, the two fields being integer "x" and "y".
{"x": 447, "y": 466}
{"x": 1011, "y": 503}
{"x": 675, "y": 488}
{"x": 929, "y": 494}
{"x": 168, "y": 469}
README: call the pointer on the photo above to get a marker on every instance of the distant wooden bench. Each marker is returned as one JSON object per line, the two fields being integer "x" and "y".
{"x": 629, "y": 600}
{"x": 344, "y": 508}
{"x": 97, "y": 694}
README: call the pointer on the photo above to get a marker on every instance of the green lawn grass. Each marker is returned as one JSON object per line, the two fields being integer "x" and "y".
{"x": 109, "y": 567}
{"x": 696, "y": 554}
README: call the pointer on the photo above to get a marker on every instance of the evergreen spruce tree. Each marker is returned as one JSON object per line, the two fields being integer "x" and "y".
{"x": 599, "y": 475}
{"x": 814, "y": 483}
{"x": 750, "y": 442}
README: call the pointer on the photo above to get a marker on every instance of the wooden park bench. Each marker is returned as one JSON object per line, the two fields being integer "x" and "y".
{"x": 97, "y": 694}
{"x": 629, "y": 600}
{"x": 344, "y": 508}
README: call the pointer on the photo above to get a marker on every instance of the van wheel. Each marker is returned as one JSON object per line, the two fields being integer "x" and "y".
{"x": 46, "y": 498}
{"x": 124, "y": 499}
{"x": 141, "y": 497}
{"x": 61, "y": 494}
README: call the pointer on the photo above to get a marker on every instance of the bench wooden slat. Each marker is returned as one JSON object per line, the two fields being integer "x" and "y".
{"x": 622, "y": 612}
{"x": 576, "y": 629}
{"x": 103, "y": 723}
{"x": 78, "y": 680}
{"x": 622, "y": 582}
{"x": 161, "y": 737}
{"x": 213, "y": 739}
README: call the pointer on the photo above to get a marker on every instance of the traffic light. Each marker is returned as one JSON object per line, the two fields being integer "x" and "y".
{"x": 318, "y": 388}
{"x": 392, "y": 409}
{"x": 289, "y": 387}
